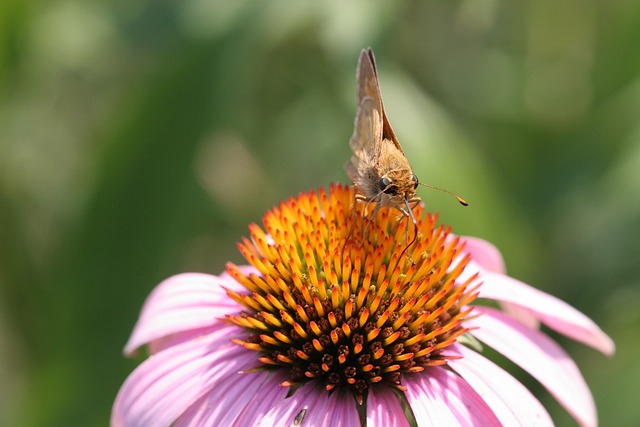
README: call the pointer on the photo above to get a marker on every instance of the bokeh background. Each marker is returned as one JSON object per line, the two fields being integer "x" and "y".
{"x": 138, "y": 140}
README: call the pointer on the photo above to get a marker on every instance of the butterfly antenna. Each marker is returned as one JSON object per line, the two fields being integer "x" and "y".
{"x": 462, "y": 201}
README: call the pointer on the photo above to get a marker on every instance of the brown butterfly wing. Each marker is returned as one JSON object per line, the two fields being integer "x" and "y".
{"x": 368, "y": 86}
{"x": 366, "y": 139}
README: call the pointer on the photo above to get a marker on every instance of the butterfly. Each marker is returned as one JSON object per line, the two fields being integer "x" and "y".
{"x": 379, "y": 169}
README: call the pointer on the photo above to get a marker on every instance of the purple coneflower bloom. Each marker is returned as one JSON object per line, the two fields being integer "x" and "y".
{"x": 337, "y": 323}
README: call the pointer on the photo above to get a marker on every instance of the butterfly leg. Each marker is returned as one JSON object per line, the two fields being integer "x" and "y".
{"x": 414, "y": 201}
{"x": 357, "y": 198}
{"x": 368, "y": 201}
{"x": 361, "y": 198}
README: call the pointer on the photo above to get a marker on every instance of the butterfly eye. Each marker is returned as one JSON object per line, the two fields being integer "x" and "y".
{"x": 415, "y": 180}
{"x": 386, "y": 186}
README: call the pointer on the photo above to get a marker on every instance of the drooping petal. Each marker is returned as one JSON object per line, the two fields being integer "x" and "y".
{"x": 521, "y": 314}
{"x": 266, "y": 397}
{"x": 510, "y": 401}
{"x": 539, "y": 356}
{"x": 314, "y": 406}
{"x": 384, "y": 409}
{"x": 157, "y": 345}
{"x": 485, "y": 258}
{"x": 168, "y": 383}
{"x": 485, "y": 254}
{"x": 236, "y": 403}
{"x": 439, "y": 397}
{"x": 555, "y": 313}
{"x": 182, "y": 303}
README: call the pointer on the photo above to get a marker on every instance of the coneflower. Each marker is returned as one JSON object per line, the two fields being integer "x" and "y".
{"x": 336, "y": 322}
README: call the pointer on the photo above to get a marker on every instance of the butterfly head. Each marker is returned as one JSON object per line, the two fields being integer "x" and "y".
{"x": 397, "y": 186}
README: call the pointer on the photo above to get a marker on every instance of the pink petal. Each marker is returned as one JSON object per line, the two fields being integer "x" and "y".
{"x": 168, "y": 383}
{"x": 316, "y": 406}
{"x": 384, "y": 409}
{"x": 438, "y": 397}
{"x": 266, "y": 397}
{"x": 165, "y": 342}
{"x": 553, "y": 312}
{"x": 485, "y": 254}
{"x": 236, "y": 403}
{"x": 539, "y": 356}
{"x": 510, "y": 401}
{"x": 481, "y": 267}
{"x": 522, "y": 315}
{"x": 182, "y": 303}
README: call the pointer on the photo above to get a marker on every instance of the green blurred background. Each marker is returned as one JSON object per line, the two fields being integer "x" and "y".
{"x": 138, "y": 140}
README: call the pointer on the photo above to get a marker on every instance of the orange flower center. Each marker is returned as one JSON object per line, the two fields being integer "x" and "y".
{"x": 339, "y": 297}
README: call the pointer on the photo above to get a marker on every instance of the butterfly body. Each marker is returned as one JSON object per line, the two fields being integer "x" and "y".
{"x": 384, "y": 177}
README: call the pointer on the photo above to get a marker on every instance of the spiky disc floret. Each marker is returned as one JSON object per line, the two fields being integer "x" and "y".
{"x": 338, "y": 299}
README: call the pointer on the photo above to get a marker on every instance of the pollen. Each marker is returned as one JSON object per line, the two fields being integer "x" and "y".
{"x": 343, "y": 297}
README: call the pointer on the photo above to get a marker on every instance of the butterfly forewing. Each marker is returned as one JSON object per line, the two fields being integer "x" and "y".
{"x": 368, "y": 85}
{"x": 367, "y": 133}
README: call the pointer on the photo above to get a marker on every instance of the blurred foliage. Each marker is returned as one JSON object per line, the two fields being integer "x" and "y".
{"x": 138, "y": 139}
